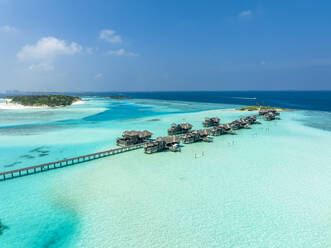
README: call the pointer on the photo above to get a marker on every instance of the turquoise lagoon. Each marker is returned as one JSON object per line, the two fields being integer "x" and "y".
{"x": 268, "y": 186}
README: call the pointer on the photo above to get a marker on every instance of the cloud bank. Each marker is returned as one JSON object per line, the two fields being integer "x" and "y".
{"x": 44, "y": 52}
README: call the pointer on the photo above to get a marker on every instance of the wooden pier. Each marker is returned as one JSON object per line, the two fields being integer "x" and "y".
{"x": 64, "y": 163}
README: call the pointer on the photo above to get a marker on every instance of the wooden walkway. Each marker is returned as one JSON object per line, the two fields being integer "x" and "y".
{"x": 64, "y": 163}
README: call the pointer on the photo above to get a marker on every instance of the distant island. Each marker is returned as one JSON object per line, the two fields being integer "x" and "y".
{"x": 255, "y": 108}
{"x": 43, "y": 100}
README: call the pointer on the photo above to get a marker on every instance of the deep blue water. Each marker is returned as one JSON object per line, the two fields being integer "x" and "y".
{"x": 310, "y": 100}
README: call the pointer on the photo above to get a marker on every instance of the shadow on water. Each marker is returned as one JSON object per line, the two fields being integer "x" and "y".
{"x": 33, "y": 129}
{"x": 27, "y": 156}
{"x": 317, "y": 119}
{"x": 58, "y": 233}
{"x": 3, "y": 228}
{"x": 11, "y": 165}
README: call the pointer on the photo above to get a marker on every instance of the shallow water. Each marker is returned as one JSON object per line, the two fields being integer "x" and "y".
{"x": 268, "y": 186}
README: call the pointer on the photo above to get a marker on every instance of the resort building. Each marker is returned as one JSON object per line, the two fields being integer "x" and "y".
{"x": 171, "y": 142}
{"x": 270, "y": 116}
{"x": 235, "y": 125}
{"x": 265, "y": 111}
{"x": 217, "y": 131}
{"x": 179, "y": 129}
{"x": 155, "y": 146}
{"x": 211, "y": 122}
{"x": 190, "y": 138}
{"x": 227, "y": 128}
{"x": 252, "y": 120}
{"x": 203, "y": 135}
{"x": 244, "y": 123}
{"x": 133, "y": 137}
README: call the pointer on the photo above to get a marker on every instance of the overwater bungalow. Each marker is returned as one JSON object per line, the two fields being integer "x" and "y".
{"x": 252, "y": 120}
{"x": 155, "y": 146}
{"x": 235, "y": 125}
{"x": 203, "y": 135}
{"x": 211, "y": 122}
{"x": 216, "y": 131}
{"x": 227, "y": 128}
{"x": 244, "y": 123}
{"x": 265, "y": 111}
{"x": 171, "y": 142}
{"x": 270, "y": 116}
{"x": 190, "y": 137}
{"x": 133, "y": 137}
{"x": 179, "y": 129}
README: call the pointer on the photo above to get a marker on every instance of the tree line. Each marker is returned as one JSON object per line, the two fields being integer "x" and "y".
{"x": 41, "y": 100}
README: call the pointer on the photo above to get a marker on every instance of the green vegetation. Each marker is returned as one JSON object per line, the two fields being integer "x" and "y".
{"x": 42, "y": 100}
{"x": 252, "y": 108}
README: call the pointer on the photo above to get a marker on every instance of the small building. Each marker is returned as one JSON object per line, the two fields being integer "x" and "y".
{"x": 133, "y": 137}
{"x": 211, "y": 122}
{"x": 179, "y": 129}
{"x": 252, "y": 120}
{"x": 270, "y": 116}
{"x": 244, "y": 123}
{"x": 171, "y": 142}
{"x": 216, "y": 131}
{"x": 189, "y": 138}
{"x": 203, "y": 135}
{"x": 227, "y": 128}
{"x": 154, "y": 146}
{"x": 265, "y": 111}
{"x": 235, "y": 125}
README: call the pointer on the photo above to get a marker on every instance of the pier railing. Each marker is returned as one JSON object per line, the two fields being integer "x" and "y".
{"x": 64, "y": 163}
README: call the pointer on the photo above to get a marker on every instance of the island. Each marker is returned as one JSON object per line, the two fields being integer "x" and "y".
{"x": 43, "y": 100}
{"x": 257, "y": 108}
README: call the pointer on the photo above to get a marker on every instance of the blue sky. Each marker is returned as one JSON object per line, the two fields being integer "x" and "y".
{"x": 123, "y": 45}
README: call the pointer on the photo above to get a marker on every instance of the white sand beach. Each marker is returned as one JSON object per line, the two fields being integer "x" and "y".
{"x": 6, "y": 104}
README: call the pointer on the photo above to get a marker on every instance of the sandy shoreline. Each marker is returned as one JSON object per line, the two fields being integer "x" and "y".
{"x": 7, "y": 105}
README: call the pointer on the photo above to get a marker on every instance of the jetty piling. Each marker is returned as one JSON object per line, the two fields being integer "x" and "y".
{"x": 64, "y": 163}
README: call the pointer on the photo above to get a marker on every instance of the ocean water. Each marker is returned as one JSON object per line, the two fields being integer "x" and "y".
{"x": 306, "y": 100}
{"x": 268, "y": 186}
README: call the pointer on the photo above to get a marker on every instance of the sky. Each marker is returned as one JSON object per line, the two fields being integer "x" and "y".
{"x": 105, "y": 45}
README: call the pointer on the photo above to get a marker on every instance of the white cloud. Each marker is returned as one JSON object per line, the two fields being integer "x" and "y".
{"x": 110, "y": 36}
{"x": 245, "y": 13}
{"x": 8, "y": 29}
{"x": 43, "y": 53}
{"x": 121, "y": 52}
{"x": 99, "y": 75}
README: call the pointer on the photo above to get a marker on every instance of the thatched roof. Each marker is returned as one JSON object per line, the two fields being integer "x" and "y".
{"x": 169, "y": 139}
{"x": 185, "y": 125}
{"x": 201, "y": 132}
{"x": 140, "y": 134}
